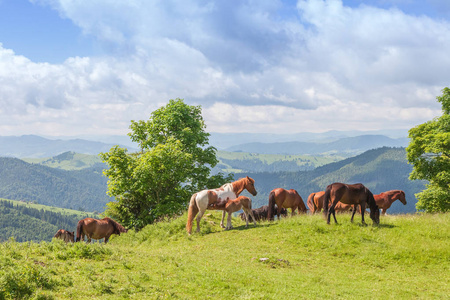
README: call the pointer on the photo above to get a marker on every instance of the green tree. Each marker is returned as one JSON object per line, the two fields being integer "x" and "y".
{"x": 429, "y": 153}
{"x": 174, "y": 161}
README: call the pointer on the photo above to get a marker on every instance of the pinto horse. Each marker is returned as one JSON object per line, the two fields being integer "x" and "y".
{"x": 98, "y": 229}
{"x": 66, "y": 236}
{"x": 206, "y": 199}
{"x": 234, "y": 205}
{"x": 353, "y": 194}
{"x": 284, "y": 199}
{"x": 385, "y": 199}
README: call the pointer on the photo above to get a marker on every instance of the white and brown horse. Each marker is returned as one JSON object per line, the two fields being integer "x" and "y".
{"x": 235, "y": 205}
{"x": 66, "y": 236}
{"x": 98, "y": 229}
{"x": 206, "y": 199}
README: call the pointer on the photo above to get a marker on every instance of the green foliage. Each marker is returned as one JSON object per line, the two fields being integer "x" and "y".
{"x": 406, "y": 257}
{"x": 173, "y": 163}
{"x": 429, "y": 153}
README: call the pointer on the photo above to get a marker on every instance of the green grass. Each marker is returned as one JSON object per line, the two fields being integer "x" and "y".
{"x": 63, "y": 211}
{"x": 406, "y": 257}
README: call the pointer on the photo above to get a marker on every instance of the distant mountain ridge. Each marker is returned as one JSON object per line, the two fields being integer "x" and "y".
{"x": 32, "y": 146}
{"x": 344, "y": 146}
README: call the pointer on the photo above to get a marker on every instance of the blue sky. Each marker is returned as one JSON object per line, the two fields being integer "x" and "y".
{"x": 89, "y": 67}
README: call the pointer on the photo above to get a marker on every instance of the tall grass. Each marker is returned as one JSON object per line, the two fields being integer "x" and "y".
{"x": 296, "y": 258}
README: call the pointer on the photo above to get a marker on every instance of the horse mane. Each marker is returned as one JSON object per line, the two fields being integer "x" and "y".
{"x": 117, "y": 227}
{"x": 371, "y": 200}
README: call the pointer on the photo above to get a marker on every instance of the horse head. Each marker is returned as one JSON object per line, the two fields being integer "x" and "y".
{"x": 71, "y": 236}
{"x": 402, "y": 197}
{"x": 375, "y": 214}
{"x": 250, "y": 186}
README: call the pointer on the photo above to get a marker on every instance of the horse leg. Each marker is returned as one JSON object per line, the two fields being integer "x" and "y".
{"x": 363, "y": 209}
{"x": 246, "y": 217}
{"x": 251, "y": 214}
{"x": 353, "y": 213}
{"x": 199, "y": 217}
{"x": 229, "y": 226}
{"x": 332, "y": 211}
{"x": 223, "y": 218}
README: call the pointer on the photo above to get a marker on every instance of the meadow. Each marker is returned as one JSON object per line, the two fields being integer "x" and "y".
{"x": 301, "y": 257}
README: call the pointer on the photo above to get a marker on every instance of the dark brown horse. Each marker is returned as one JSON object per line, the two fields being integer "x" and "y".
{"x": 285, "y": 199}
{"x": 98, "y": 229}
{"x": 261, "y": 213}
{"x": 66, "y": 236}
{"x": 353, "y": 194}
{"x": 385, "y": 200}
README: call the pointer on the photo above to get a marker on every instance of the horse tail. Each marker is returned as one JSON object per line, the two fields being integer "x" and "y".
{"x": 301, "y": 206}
{"x": 79, "y": 230}
{"x": 271, "y": 206}
{"x": 326, "y": 200}
{"x": 310, "y": 202}
{"x": 192, "y": 212}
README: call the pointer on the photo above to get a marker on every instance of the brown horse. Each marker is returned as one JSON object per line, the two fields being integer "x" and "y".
{"x": 261, "y": 213}
{"x": 98, "y": 229}
{"x": 385, "y": 200}
{"x": 66, "y": 236}
{"x": 287, "y": 199}
{"x": 206, "y": 199}
{"x": 315, "y": 203}
{"x": 353, "y": 194}
{"x": 234, "y": 205}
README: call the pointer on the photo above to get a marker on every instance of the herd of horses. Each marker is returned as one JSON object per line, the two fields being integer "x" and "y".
{"x": 336, "y": 197}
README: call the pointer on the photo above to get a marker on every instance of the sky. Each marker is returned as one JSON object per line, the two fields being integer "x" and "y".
{"x": 89, "y": 67}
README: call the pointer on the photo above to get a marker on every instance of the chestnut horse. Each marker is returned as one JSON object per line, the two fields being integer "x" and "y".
{"x": 206, "y": 199}
{"x": 234, "y": 205}
{"x": 284, "y": 199}
{"x": 353, "y": 194}
{"x": 66, "y": 236}
{"x": 385, "y": 199}
{"x": 315, "y": 203}
{"x": 98, "y": 229}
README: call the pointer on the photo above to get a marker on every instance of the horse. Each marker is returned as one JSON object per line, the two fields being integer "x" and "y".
{"x": 66, "y": 236}
{"x": 98, "y": 229}
{"x": 315, "y": 203}
{"x": 354, "y": 194}
{"x": 385, "y": 199}
{"x": 234, "y": 205}
{"x": 261, "y": 213}
{"x": 206, "y": 199}
{"x": 284, "y": 199}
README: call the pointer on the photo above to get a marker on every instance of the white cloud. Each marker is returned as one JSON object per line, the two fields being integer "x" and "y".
{"x": 330, "y": 67}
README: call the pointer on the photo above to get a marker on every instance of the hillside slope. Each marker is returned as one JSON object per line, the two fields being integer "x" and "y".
{"x": 380, "y": 170}
{"x": 82, "y": 190}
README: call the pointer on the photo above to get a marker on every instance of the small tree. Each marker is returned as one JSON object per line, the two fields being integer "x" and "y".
{"x": 429, "y": 153}
{"x": 174, "y": 161}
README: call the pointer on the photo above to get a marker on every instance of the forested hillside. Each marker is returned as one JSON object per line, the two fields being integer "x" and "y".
{"x": 83, "y": 190}
{"x": 379, "y": 169}
{"x": 30, "y": 224}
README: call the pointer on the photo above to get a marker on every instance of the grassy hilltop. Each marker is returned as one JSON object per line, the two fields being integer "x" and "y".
{"x": 406, "y": 256}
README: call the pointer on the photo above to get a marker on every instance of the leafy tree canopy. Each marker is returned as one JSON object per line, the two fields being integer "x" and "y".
{"x": 429, "y": 153}
{"x": 174, "y": 162}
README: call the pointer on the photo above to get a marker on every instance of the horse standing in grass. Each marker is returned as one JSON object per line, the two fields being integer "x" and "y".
{"x": 206, "y": 199}
{"x": 261, "y": 213}
{"x": 385, "y": 199}
{"x": 66, "y": 236}
{"x": 234, "y": 205}
{"x": 353, "y": 194}
{"x": 98, "y": 229}
{"x": 285, "y": 199}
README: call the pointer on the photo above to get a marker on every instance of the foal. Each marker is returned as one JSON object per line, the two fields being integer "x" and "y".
{"x": 231, "y": 206}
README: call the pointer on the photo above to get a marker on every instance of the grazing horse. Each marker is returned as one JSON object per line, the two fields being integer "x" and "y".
{"x": 98, "y": 229}
{"x": 284, "y": 199}
{"x": 315, "y": 203}
{"x": 66, "y": 236}
{"x": 385, "y": 200}
{"x": 206, "y": 199}
{"x": 353, "y": 194}
{"x": 234, "y": 205}
{"x": 261, "y": 213}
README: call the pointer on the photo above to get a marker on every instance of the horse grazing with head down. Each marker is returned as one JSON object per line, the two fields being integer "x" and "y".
{"x": 66, "y": 236}
{"x": 353, "y": 194}
{"x": 234, "y": 205}
{"x": 98, "y": 229}
{"x": 385, "y": 199}
{"x": 261, "y": 213}
{"x": 206, "y": 199}
{"x": 285, "y": 199}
